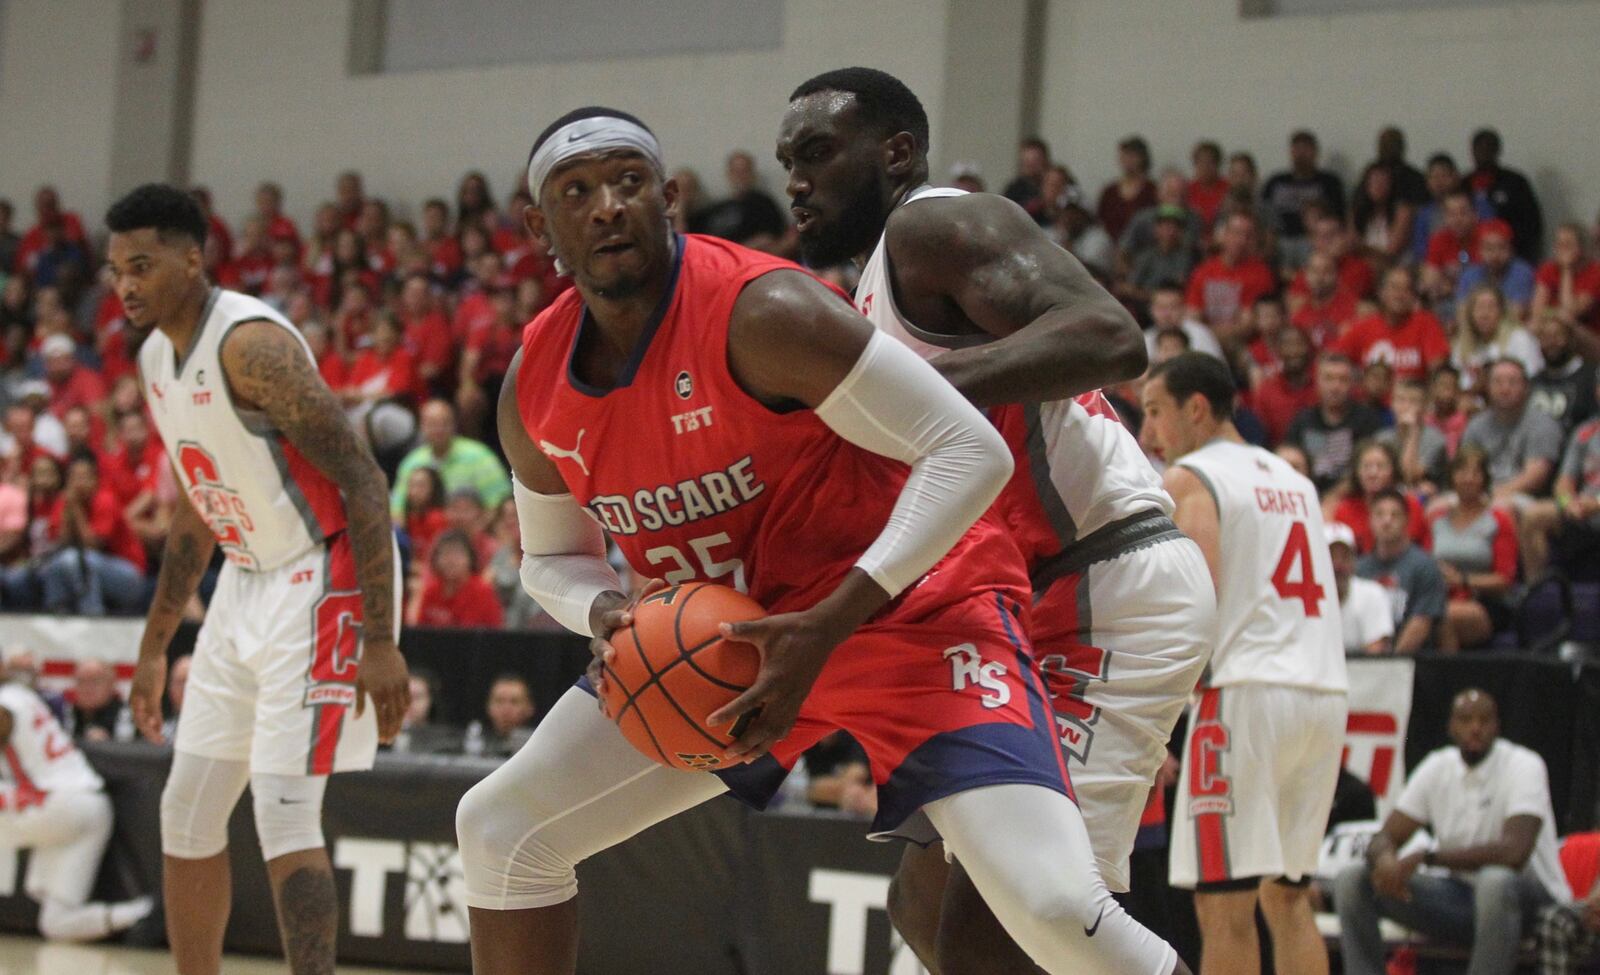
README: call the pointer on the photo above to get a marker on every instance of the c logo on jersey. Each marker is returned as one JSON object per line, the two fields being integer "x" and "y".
{"x": 968, "y": 668}
{"x": 684, "y": 385}
{"x": 561, "y": 453}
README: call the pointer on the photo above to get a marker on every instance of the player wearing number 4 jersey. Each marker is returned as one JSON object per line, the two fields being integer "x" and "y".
{"x": 303, "y": 625}
{"x": 1122, "y": 607}
{"x": 829, "y": 470}
{"x": 1262, "y": 756}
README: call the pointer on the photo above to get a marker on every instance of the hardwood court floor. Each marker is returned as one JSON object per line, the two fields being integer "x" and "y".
{"x": 33, "y": 956}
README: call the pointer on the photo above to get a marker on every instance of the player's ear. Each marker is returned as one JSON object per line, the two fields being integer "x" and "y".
{"x": 533, "y": 219}
{"x": 671, "y": 193}
{"x": 899, "y": 153}
{"x": 194, "y": 260}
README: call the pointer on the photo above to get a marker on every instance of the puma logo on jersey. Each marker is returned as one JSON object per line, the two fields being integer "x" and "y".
{"x": 968, "y": 668}
{"x": 866, "y": 304}
{"x": 156, "y": 388}
{"x": 560, "y": 453}
{"x": 693, "y": 420}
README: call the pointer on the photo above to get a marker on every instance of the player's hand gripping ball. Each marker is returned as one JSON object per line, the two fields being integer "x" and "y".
{"x": 672, "y": 669}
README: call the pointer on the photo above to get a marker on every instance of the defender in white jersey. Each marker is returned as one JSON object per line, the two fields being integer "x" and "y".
{"x": 54, "y": 805}
{"x": 303, "y": 623}
{"x": 1262, "y": 754}
{"x": 1122, "y": 604}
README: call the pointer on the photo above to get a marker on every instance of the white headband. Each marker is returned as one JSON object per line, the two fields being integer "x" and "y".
{"x": 586, "y": 136}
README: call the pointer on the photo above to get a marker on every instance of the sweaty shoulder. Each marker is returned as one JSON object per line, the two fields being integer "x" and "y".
{"x": 942, "y": 232}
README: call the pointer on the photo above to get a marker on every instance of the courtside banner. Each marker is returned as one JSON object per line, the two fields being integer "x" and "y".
{"x": 58, "y": 643}
{"x": 1375, "y": 734}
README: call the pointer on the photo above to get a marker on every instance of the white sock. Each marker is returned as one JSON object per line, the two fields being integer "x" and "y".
{"x": 125, "y": 914}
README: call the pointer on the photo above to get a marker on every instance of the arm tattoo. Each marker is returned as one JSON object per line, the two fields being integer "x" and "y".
{"x": 183, "y": 561}
{"x": 268, "y": 368}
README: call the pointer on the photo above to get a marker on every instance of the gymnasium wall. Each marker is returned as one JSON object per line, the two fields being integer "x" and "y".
{"x": 1176, "y": 72}
{"x": 57, "y": 91}
{"x": 275, "y": 98}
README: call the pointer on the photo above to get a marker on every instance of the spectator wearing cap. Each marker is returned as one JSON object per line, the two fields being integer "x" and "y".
{"x": 1166, "y": 257}
{"x": 1509, "y": 192}
{"x": 1224, "y": 286}
{"x": 1443, "y": 178}
{"x": 1412, "y": 580}
{"x": 1498, "y": 265}
{"x": 1363, "y": 605}
{"x": 461, "y": 462}
{"x": 1475, "y": 545}
{"x": 71, "y": 383}
{"x": 1207, "y": 188}
{"x": 48, "y": 434}
{"x": 1329, "y": 431}
{"x": 1523, "y": 445}
{"x": 1026, "y": 188}
{"x": 1289, "y": 192}
{"x": 1131, "y": 192}
{"x": 1408, "y": 338}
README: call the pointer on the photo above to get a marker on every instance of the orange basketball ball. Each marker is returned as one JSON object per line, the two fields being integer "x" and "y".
{"x": 672, "y": 669}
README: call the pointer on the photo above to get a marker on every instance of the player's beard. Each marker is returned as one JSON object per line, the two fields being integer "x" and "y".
{"x": 853, "y": 230}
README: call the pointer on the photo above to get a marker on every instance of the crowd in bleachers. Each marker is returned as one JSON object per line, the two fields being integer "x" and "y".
{"x": 1404, "y": 340}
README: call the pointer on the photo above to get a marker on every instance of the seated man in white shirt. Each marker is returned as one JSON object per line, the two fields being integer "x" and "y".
{"x": 1487, "y": 802}
{"x": 1363, "y": 604}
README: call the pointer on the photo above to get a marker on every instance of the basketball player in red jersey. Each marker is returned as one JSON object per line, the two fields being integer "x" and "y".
{"x": 303, "y": 625}
{"x": 726, "y": 417}
{"x": 1123, "y": 607}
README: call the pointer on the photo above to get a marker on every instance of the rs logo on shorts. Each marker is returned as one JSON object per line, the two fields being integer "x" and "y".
{"x": 968, "y": 668}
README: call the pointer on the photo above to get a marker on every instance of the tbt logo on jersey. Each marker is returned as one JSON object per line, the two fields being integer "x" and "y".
{"x": 968, "y": 668}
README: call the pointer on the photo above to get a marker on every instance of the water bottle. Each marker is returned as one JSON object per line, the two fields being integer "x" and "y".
{"x": 473, "y": 743}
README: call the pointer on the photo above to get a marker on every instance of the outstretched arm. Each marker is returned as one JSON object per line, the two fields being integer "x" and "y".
{"x": 267, "y": 368}
{"x": 981, "y": 260}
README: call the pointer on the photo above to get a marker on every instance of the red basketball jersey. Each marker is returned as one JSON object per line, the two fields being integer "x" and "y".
{"x": 696, "y": 480}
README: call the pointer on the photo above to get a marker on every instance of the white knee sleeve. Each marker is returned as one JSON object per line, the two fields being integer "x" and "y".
{"x": 576, "y": 788}
{"x": 195, "y": 805}
{"x": 288, "y": 812}
{"x": 1027, "y": 852}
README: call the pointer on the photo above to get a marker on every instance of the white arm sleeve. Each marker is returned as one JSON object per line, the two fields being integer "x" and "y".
{"x": 894, "y": 404}
{"x": 564, "y": 563}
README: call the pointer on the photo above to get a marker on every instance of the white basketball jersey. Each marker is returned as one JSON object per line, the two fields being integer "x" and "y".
{"x": 266, "y": 504}
{"x": 1277, "y": 605}
{"x": 40, "y": 758}
{"x": 1084, "y": 466}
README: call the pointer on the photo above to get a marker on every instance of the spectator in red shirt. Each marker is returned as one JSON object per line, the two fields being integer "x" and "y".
{"x": 1325, "y": 306}
{"x": 475, "y": 309}
{"x": 1278, "y": 399}
{"x": 454, "y": 594}
{"x": 1568, "y": 285}
{"x": 329, "y": 362}
{"x": 98, "y": 564}
{"x": 1132, "y": 192}
{"x": 348, "y": 198}
{"x": 325, "y": 227}
{"x": 19, "y": 585}
{"x": 1377, "y": 469}
{"x": 1207, "y": 188}
{"x": 465, "y": 511}
{"x": 1329, "y": 237}
{"x": 1224, "y": 286}
{"x": 384, "y": 371}
{"x": 254, "y": 261}
{"x": 134, "y": 472}
{"x": 373, "y": 226}
{"x": 71, "y": 383}
{"x": 84, "y": 434}
{"x": 423, "y": 517}
{"x": 1475, "y": 544}
{"x": 49, "y": 219}
{"x": 269, "y": 210}
{"x": 1453, "y": 246}
{"x": 1408, "y": 338}
{"x": 1267, "y": 319}
{"x": 216, "y": 228}
{"x": 490, "y": 345}
{"x": 427, "y": 335}
{"x": 444, "y": 250}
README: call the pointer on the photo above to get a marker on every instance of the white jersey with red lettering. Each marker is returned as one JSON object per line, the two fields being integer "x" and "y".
{"x": 1083, "y": 466}
{"x": 265, "y": 503}
{"x": 1277, "y": 606}
{"x": 40, "y": 758}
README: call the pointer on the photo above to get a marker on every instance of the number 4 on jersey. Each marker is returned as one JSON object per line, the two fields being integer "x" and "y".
{"x": 1297, "y": 550}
